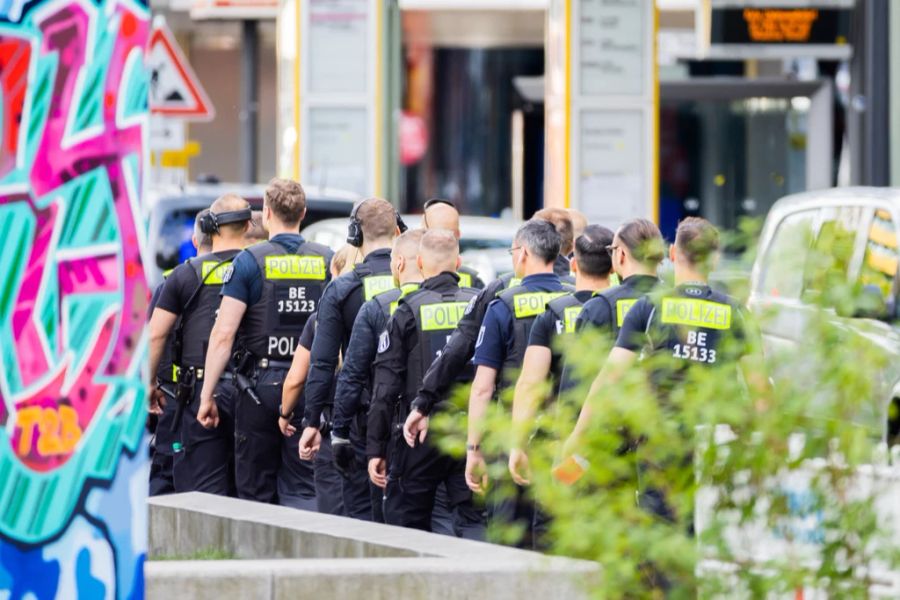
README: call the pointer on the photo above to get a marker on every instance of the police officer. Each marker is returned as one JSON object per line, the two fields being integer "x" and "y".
{"x": 562, "y": 222}
{"x": 636, "y": 251}
{"x": 328, "y": 482}
{"x": 355, "y": 378}
{"x": 443, "y": 214}
{"x": 542, "y": 362}
{"x": 691, "y": 323}
{"x": 268, "y": 296}
{"x": 416, "y": 334}
{"x": 165, "y": 441}
{"x": 191, "y": 297}
{"x": 445, "y": 371}
{"x": 373, "y": 225}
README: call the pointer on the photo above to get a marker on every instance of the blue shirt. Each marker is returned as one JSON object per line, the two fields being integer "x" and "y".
{"x": 245, "y": 283}
{"x": 495, "y": 340}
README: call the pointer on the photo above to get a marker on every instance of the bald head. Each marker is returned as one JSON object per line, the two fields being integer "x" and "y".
{"x": 442, "y": 216}
{"x": 438, "y": 252}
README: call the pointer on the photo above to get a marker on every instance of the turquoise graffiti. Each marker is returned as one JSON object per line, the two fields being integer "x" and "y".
{"x": 73, "y": 108}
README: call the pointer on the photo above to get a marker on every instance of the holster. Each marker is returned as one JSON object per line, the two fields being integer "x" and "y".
{"x": 184, "y": 394}
{"x": 244, "y": 371}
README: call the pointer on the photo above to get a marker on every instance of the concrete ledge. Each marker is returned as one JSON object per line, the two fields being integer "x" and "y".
{"x": 353, "y": 559}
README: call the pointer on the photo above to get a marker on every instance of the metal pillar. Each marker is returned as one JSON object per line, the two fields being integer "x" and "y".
{"x": 249, "y": 113}
{"x": 868, "y": 122}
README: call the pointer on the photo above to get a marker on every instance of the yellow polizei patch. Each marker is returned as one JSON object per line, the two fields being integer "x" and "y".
{"x": 571, "y": 316}
{"x": 211, "y": 277}
{"x": 465, "y": 279}
{"x": 696, "y": 313}
{"x": 295, "y": 267}
{"x": 446, "y": 315}
{"x": 622, "y": 308}
{"x": 377, "y": 284}
{"x": 532, "y": 304}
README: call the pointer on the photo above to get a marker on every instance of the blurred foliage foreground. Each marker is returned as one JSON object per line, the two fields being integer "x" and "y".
{"x": 755, "y": 497}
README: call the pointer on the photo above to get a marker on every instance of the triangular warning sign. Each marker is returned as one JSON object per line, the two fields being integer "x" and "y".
{"x": 175, "y": 90}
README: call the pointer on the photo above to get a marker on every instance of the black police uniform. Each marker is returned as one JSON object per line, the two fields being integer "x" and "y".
{"x": 351, "y": 399}
{"x": 694, "y": 325}
{"x": 469, "y": 278}
{"x": 164, "y": 441}
{"x": 415, "y": 336}
{"x": 606, "y": 311}
{"x": 205, "y": 463}
{"x": 558, "y": 320}
{"x": 501, "y": 345}
{"x": 328, "y": 482}
{"x": 282, "y": 282}
{"x": 340, "y": 305}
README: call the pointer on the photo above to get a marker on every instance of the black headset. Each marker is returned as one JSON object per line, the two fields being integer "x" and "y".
{"x": 210, "y": 222}
{"x": 354, "y": 229}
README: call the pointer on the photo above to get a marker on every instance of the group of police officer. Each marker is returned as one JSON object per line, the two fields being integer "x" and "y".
{"x": 286, "y": 373}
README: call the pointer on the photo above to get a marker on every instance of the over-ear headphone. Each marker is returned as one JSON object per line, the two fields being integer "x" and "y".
{"x": 354, "y": 229}
{"x": 210, "y": 222}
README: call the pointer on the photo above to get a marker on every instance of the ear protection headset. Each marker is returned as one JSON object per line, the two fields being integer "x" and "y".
{"x": 354, "y": 229}
{"x": 210, "y": 222}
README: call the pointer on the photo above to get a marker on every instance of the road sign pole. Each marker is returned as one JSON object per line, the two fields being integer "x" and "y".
{"x": 249, "y": 114}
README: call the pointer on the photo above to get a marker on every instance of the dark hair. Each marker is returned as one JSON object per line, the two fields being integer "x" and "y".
{"x": 590, "y": 251}
{"x": 562, "y": 221}
{"x": 698, "y": 240}
{"x": 541, "y": 239}
{"x": 287, "y": 200}
{"x": 644, "y": 241}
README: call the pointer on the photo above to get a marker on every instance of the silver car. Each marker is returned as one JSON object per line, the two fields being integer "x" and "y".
{"x": 862, "y": 225}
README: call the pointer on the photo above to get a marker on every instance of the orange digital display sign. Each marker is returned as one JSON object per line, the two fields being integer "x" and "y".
{"x": 774, "y": 25}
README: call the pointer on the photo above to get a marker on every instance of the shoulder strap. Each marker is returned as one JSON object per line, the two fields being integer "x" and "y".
{"x": 178, "y": 339}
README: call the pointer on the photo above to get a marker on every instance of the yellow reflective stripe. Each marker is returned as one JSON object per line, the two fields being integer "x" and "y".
{"x": 696, "y": 313}
{"x": 168, "y": 272}
{"x": 446, "y": 315}
{"x": 570, "y": 316}
{"x": 515, "y": 281}
{"x": 465, "y": 279}
{"x": 291, "y": 266}
{"x": 215, "y": 278}
{"x": 622, "y": 308}
{"x": 532, "y": 304}
{"x": 377, "y": 284}
{"x": 405, "y": 290}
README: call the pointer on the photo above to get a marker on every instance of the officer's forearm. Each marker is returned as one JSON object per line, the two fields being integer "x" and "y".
{"x": 161, "y": 323}
{"x": 479, "y": 399}
{"x": 294, "y": 381}
{"x": 529, "y": 387}
{"x": 616, "y": 364}
{"x": 218, "y": 353}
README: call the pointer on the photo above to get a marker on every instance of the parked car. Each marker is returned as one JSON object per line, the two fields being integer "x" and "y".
{"x": 484, "y": 245}
{"x": 171, "y": 213}
{"x": 860, "y": 227}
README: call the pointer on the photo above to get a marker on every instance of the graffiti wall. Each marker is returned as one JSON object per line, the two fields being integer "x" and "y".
{"x": 73, "y": 102}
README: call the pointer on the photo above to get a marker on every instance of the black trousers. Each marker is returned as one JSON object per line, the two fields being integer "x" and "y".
{"x": 267, "y": 465}
{"x": 206, "y": 461}
{"x": 162, "y": 452}
{"x": 414, "y": 477}
{"x": 329, "y": 487}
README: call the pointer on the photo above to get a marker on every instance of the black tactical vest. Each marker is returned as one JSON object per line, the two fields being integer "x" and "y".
{"x": 437, "y": 315}
{"x": 389, "y": 300}
{"x": 524, "y": 306}
{"x": 467, "y": 277}
{"x": 292, "y": 285}
{"x": 620, "y": 299}
{"x": 200, "y": 317}
{"x": 565, "y": 310}
{"x": 166, "y": 372}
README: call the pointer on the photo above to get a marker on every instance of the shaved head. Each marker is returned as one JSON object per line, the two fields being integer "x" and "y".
{"x": 442, "y": 216}
{"x": 438, "y": 252}
{"x": 229, "y": 203}
{"x": 407, "y": 244}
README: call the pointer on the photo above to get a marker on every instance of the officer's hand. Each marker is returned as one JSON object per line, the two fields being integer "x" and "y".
{"x": 518, "y": 467}
{"x": 476, "y": 472}
{"x": 570, "y": 445}
{"x": 310, "y": 441}
{"x": 157, "y": 401}
{"x": 416, "y": 426}
{"x": 344, "y": 456}
{"x": 378, "y": 472}
{"x": 287, "y": 430}
{"x": 208, "y": 414}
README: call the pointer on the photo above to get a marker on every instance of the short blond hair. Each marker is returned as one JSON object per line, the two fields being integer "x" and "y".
{"x": 439, "y": 250}
{"x": 344, "y": 259}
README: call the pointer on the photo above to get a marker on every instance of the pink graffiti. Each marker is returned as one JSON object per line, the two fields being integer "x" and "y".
{"x": 54, "y": 382}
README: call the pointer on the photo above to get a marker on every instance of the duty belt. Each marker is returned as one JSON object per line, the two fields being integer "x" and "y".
{"x": 265, "y": 363}
{"x": 198, "y": 373}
